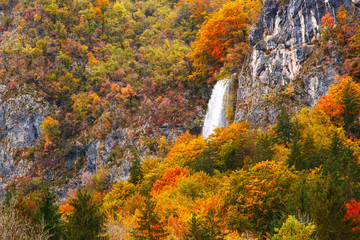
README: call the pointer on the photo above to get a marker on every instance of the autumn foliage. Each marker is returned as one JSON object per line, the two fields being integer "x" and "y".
{"x": 225, "y": 29}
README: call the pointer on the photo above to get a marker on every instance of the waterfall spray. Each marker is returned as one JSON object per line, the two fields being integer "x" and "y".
{"x": 215, "y": 115}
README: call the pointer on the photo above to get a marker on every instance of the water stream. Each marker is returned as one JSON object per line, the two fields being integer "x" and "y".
{"x": 215, "y": 115}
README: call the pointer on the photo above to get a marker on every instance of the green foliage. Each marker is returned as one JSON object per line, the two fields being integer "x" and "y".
{"x": 284, "y": 127}
{"x": 350, "y": 99}
{"x": 329, "y": 212}
{"x": 48, "y": 213}
{"x": 264, "y": 147}
{"x": 292, "y": 229}
{"x": 204, "y": 228}
{"x": 195, "y": 229}
{"x": 86, "y": 219}
{"x": 148, "y": 225}
{"x": 135, "y": 171}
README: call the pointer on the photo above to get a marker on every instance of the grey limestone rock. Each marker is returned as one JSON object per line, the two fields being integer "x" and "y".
{"x": 285, "y": 66}
{"x": 21, "y": 116}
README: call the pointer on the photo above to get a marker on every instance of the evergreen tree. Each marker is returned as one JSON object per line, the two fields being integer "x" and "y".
{"x": 329, "y": 213}
{"x": 196, "y": 229}
{"x": 212, "y": 226}
{"x": 301, "y": 199}
{"x": 284, "y": 127}
{"x": 309, "y": 155}
{"x": 294, "y": 158}
{"x": 149, "y": 227}
{"x": 48, "y": 212}
{"x": 264, "y": 148}
{"x": 341, "y": 166}
{"x": 135, "y": 170}
{"x": 86, "y": 220}
{"x": 350, "y": 99}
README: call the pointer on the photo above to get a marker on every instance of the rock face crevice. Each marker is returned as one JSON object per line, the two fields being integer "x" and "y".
{"x": 286, "y": 67}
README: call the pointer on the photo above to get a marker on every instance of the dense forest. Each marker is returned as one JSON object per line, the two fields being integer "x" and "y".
{"x": 147, "y": 67}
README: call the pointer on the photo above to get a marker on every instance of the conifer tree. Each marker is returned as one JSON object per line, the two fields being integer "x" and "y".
{"x": 329, "y": 213}
{"x": 48, "y": 212}
{"x": 149, "y": 227}
{"x": 195, "y": 231}
{"x": 86, "y": 220}
{"x": 350, "y": 99}
{"x": 264, "y": 147}
{"x": 135, "y": 170}
{"x": 284, "y": 127}
{"x": 212, "y": 226}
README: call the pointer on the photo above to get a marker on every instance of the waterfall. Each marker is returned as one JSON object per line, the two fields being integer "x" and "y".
{"x": 215, "y": 115}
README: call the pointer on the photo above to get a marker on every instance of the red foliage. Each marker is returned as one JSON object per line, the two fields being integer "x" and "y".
{"x": 353, "y": 212}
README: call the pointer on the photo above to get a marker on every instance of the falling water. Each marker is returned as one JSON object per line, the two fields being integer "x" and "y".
{"x": 215, "y": 115}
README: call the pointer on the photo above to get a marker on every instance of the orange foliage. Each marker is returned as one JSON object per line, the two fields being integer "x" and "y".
{"x": 115, "y": 87}
{"x": 343, "y": 35}
{"x": 67, "y": 209}
{"x": 187, "y": 149}
{"x": 226, "y": 28}
{"x": 328, "y": 21}
{"x": 328, "y": 105}
{"x": 100, "y": 8}
{"x": 169, "y": 178}
{"x": 128, "y": 91}
{"x": 333, "y": 104}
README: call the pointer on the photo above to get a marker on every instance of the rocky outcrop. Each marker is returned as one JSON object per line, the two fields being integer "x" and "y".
{"x": 286, "y": 67}
{"x": 21, "y": 116}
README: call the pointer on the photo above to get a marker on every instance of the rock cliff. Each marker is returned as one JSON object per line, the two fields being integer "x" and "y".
{"x": 21, "y": 115}
{"x": 286, "y": 66}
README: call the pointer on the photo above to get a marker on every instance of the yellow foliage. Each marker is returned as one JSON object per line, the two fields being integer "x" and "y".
{"x": 50, "y": 129}
{"x": 231, "y": 132}
{"x": 92, "y": 60}
{"x": 313, "y": 123}
{"x": 85, "y": 104}
{"x": 117, "y": 196}
{"x": 263, "y": 190}
{"x": 187, "y": 149}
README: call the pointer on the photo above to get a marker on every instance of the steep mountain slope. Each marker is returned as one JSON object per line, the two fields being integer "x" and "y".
{"x": 286, "y": 67}
{"x": 90, "y": 84}
{"x": 114, "y": 91}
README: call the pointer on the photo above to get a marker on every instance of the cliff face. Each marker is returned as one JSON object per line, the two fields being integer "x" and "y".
{"x": 286, "y": 67}
{"x": 21, "y": 116}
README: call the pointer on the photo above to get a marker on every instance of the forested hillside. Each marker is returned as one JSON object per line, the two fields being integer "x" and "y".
{"x": 102, "y": 104}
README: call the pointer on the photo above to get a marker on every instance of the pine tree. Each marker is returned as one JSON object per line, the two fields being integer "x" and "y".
{"x": 149, "y": 227}
{"x": 264, "y": 147}
{"x": 284, "y": 128}
{"x": 212, "y": 226}
{"x": 196, "y": 229}
{"x": 86, "y": 220}
{"x": 329, "y": 213}
{"x": 135, "y": 170}
{"x": 351, "y": 100}
{"x": 48, "y": 212}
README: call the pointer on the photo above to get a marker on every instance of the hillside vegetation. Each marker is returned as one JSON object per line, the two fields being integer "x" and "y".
{"x": 144, "y": 66}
